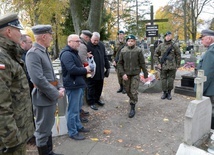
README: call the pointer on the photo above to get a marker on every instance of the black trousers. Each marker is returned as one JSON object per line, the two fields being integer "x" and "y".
{"x": 212, "y": 101}
{"x": 95, "y": 88}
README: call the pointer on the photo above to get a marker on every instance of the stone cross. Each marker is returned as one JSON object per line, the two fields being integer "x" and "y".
{"x": 199, "y": 81}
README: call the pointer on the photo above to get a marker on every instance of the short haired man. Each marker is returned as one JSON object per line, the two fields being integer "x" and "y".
{"x": 16, "y": 124}
{"x": 206, "y": 63}
{"x": 95, "y": 84}
{"x": 26, "y": 44}
{"x": 46, "y": 90}
{"x": 74, "y": 82}
{"x": 130, "y": 64}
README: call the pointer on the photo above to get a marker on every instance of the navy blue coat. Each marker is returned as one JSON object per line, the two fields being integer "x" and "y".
{"x": 207, "y": 64}
{"x": 73, "y": 72}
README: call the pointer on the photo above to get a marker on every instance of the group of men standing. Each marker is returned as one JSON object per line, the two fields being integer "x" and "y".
{"x": 16, "y": 123}
{"x": 31, "y": 67}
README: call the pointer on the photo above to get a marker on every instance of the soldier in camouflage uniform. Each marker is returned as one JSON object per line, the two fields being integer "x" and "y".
{"x": 120, "y": 43}
{"x": 170, "y": 65}
{"x": 16, "y": 125}
{"x": 131, "y": 62}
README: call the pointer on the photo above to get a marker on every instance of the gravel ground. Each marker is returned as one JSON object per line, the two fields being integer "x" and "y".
{"x": 156, "y": 129}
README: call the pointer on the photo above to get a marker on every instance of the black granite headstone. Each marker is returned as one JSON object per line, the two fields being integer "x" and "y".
{"x": 187, "y": 85}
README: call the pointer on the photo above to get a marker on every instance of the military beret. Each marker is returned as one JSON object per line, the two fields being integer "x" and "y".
{"x": 87, "y": 33}
{"x": 131, "y": 36}
{"x": 10, "y": 19}
{"x": 42, "y": 29}
{"x": 207, "y": 32}
{"x": 167, "y": 33}
{"x": 121, "y": 31}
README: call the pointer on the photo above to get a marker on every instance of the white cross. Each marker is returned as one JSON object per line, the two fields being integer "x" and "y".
{"x": 199, "y": 81}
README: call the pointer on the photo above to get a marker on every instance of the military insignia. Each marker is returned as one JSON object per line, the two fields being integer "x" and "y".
{"x": 2, "y": 67}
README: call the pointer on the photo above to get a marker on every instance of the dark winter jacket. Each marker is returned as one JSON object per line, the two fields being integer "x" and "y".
{"x": 100, "y": 58}
{"x": 73, "y": 72}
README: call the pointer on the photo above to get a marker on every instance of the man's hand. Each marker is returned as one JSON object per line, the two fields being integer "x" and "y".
{"x": 114, "y": 63}
{"x": 88, "y": 69}
{"x": 89, "y": 55}
{"x": 125, "y": 77}
{"x": 159, "y": 66}
{"x": 9, "y": 150}
{"x": 106, "y": 74}
{"x": 61, "y": 92}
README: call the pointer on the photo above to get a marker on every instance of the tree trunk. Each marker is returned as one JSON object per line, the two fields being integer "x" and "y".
{"x": 76, "y": 13}
{"x": 95, "y": 15}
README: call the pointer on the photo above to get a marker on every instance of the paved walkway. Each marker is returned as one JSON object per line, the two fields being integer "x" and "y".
{"x": 88, "y": 147}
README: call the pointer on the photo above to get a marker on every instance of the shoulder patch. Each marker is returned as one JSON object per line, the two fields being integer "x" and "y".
{"x": 2, "y": 67}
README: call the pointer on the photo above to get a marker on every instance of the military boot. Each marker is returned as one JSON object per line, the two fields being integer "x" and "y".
{"x": 124, "y": 91}
{"x": 43, "y": 150}
{"x": 121, "y": 89}
{"x": 50, "y": 147}
{"x": 169, "y": 97}
{"x": 132, "y": 111}
{"x": 164, "y": 95}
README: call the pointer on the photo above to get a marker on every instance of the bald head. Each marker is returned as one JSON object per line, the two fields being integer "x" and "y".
{"x": 73, "y": 41}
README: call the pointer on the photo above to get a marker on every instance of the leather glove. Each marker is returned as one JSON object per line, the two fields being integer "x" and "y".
{"x": 106, "y": 74}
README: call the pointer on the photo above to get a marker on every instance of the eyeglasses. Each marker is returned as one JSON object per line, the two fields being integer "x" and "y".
{"x": 77, "y": 41}
{"x": 28, "y": 42}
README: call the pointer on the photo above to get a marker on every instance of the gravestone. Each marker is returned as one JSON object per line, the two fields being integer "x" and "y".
{"x": 60, "y": 127}
{"x": 197, "y": 122}
{"x": 187, "y": 85}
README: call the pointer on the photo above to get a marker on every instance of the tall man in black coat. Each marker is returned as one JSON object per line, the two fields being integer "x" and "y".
{"x": 95, "y": 84}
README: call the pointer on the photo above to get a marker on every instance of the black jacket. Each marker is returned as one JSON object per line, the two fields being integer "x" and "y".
{"x": 73, "y": 72}
{"x": 100, "y": 58}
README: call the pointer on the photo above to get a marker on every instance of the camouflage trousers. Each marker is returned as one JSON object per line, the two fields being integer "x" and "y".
{"x": 119, "y": 77}
{"x": 20, "y": 150}
{"x": 167, "y": 79}
{"x": 131, "y": 86}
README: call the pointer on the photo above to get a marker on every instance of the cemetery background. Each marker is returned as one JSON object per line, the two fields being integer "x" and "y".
{"x": 157, "y": 128}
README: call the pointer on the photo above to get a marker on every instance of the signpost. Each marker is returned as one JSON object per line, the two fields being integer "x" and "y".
{"x": 152, "y": 32}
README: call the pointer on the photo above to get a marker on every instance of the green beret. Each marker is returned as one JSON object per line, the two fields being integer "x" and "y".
{"x": 121, "y": 31}
{"x": 42, "y": 29}
{"x": 131, "y": 36}
{"x": 167, "y": 33}
{"x": 10, "y": 19}
{"x": 207, "y": 32}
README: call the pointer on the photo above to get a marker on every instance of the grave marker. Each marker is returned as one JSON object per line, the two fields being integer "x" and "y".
{"x": 197, "y": 122}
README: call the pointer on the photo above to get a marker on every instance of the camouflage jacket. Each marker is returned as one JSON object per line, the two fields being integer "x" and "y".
{"x": 16, "y": 123}
{"x": 131, "y": 61}
{"x": 117, "y": 49}
{"x": 173, "y": 59}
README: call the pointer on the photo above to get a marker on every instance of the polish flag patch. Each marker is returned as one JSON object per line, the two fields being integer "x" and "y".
{"x": 2, "y": 67}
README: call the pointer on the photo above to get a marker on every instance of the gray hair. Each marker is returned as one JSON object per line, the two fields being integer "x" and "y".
{"x": 96, "y": 34}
